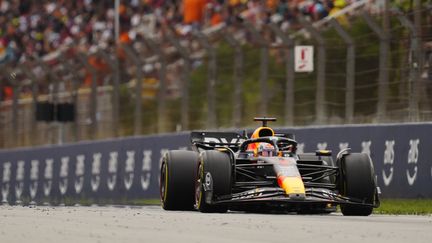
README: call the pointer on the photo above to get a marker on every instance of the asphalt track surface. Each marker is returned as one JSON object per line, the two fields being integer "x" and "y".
{"x": 151, "y": 224}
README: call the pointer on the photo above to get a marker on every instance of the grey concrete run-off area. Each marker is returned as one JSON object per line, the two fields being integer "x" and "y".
{"x": 152, "y": 224}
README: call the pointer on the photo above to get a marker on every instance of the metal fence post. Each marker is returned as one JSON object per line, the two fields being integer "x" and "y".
{"x": 237, "y": 78}
{"x": 93, "y": 100}
{"x": 116, "y": 93}
{"x": 15, "y": 108}
{"x": 418, "y": 27}
{"x": 289, "y": 75}
{"x": 350, "y": 70}
{"x": 55, "y": 79}
{"x": 15, "y": 88}
{"x": 161, "y": 99}
{"x": 114, "y": 65}
{"x": 383, "y": 66}
{"x": 35, "y": 90}
{"x": 185, "y": 78}
{"x": 211, "y": 78}
{"x": 52, "y": 75}
{"x": 320, "y": 102}
{"x": 138, "y": 99}
{"x": 75, "y": 87}
{"x": 264, "y": 63}
{"x": 418, "y": 47}
{"x": 414, "y": 66}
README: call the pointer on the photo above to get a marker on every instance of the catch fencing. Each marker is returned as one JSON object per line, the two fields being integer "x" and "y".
{"x": 370, "y": 67}
{"x": 127, "y": 170}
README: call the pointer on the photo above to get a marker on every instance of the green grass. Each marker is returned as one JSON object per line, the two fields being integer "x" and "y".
{"x": 388, "y": 206}
{"x": 405, "y": 206}
{"x": 145, "y": 202}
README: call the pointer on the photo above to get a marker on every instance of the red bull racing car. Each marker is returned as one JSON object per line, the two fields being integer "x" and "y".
{"x": 228, "y": 171}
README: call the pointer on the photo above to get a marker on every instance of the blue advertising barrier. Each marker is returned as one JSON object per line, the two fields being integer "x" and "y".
{"x": 128, "y": 168}
{"x": 402, "y": 153}
{"x": 104, "y": 171}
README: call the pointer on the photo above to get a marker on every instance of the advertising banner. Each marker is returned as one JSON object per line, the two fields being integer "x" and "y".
{"x": 114, "y": 171}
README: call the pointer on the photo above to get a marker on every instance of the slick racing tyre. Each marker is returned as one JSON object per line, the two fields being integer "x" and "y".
{"x": 357, "y": 182}
{"x": 177, "y": 180}
{"x": 213, "y": 180}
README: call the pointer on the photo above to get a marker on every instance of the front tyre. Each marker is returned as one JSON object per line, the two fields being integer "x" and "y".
{"x": 213, "y": 180}
{"x": 357, "y": 182}
{"x": 177, "y": 180}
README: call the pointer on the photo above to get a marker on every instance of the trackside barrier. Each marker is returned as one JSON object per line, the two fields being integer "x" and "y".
{"x": 402, "y": 154}
{"x": 114, "y": 171}
{"x": 102, "y": 171}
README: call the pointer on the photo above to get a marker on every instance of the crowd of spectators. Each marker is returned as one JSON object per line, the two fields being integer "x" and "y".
{"x": 36, "y": 28}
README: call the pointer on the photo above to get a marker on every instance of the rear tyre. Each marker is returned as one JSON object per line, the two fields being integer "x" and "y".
{"x": 357, "y": 182}
{"x": 177, "y": 180}
{"x": 213, "y": 180}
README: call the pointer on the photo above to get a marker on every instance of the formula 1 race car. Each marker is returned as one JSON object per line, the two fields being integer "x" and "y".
{"x": 263, "y": 173}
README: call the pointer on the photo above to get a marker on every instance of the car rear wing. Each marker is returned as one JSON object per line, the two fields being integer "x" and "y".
{"x": 210, "y": 140}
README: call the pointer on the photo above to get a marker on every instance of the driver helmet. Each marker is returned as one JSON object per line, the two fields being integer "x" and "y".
{"x": 266, "y": 150}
